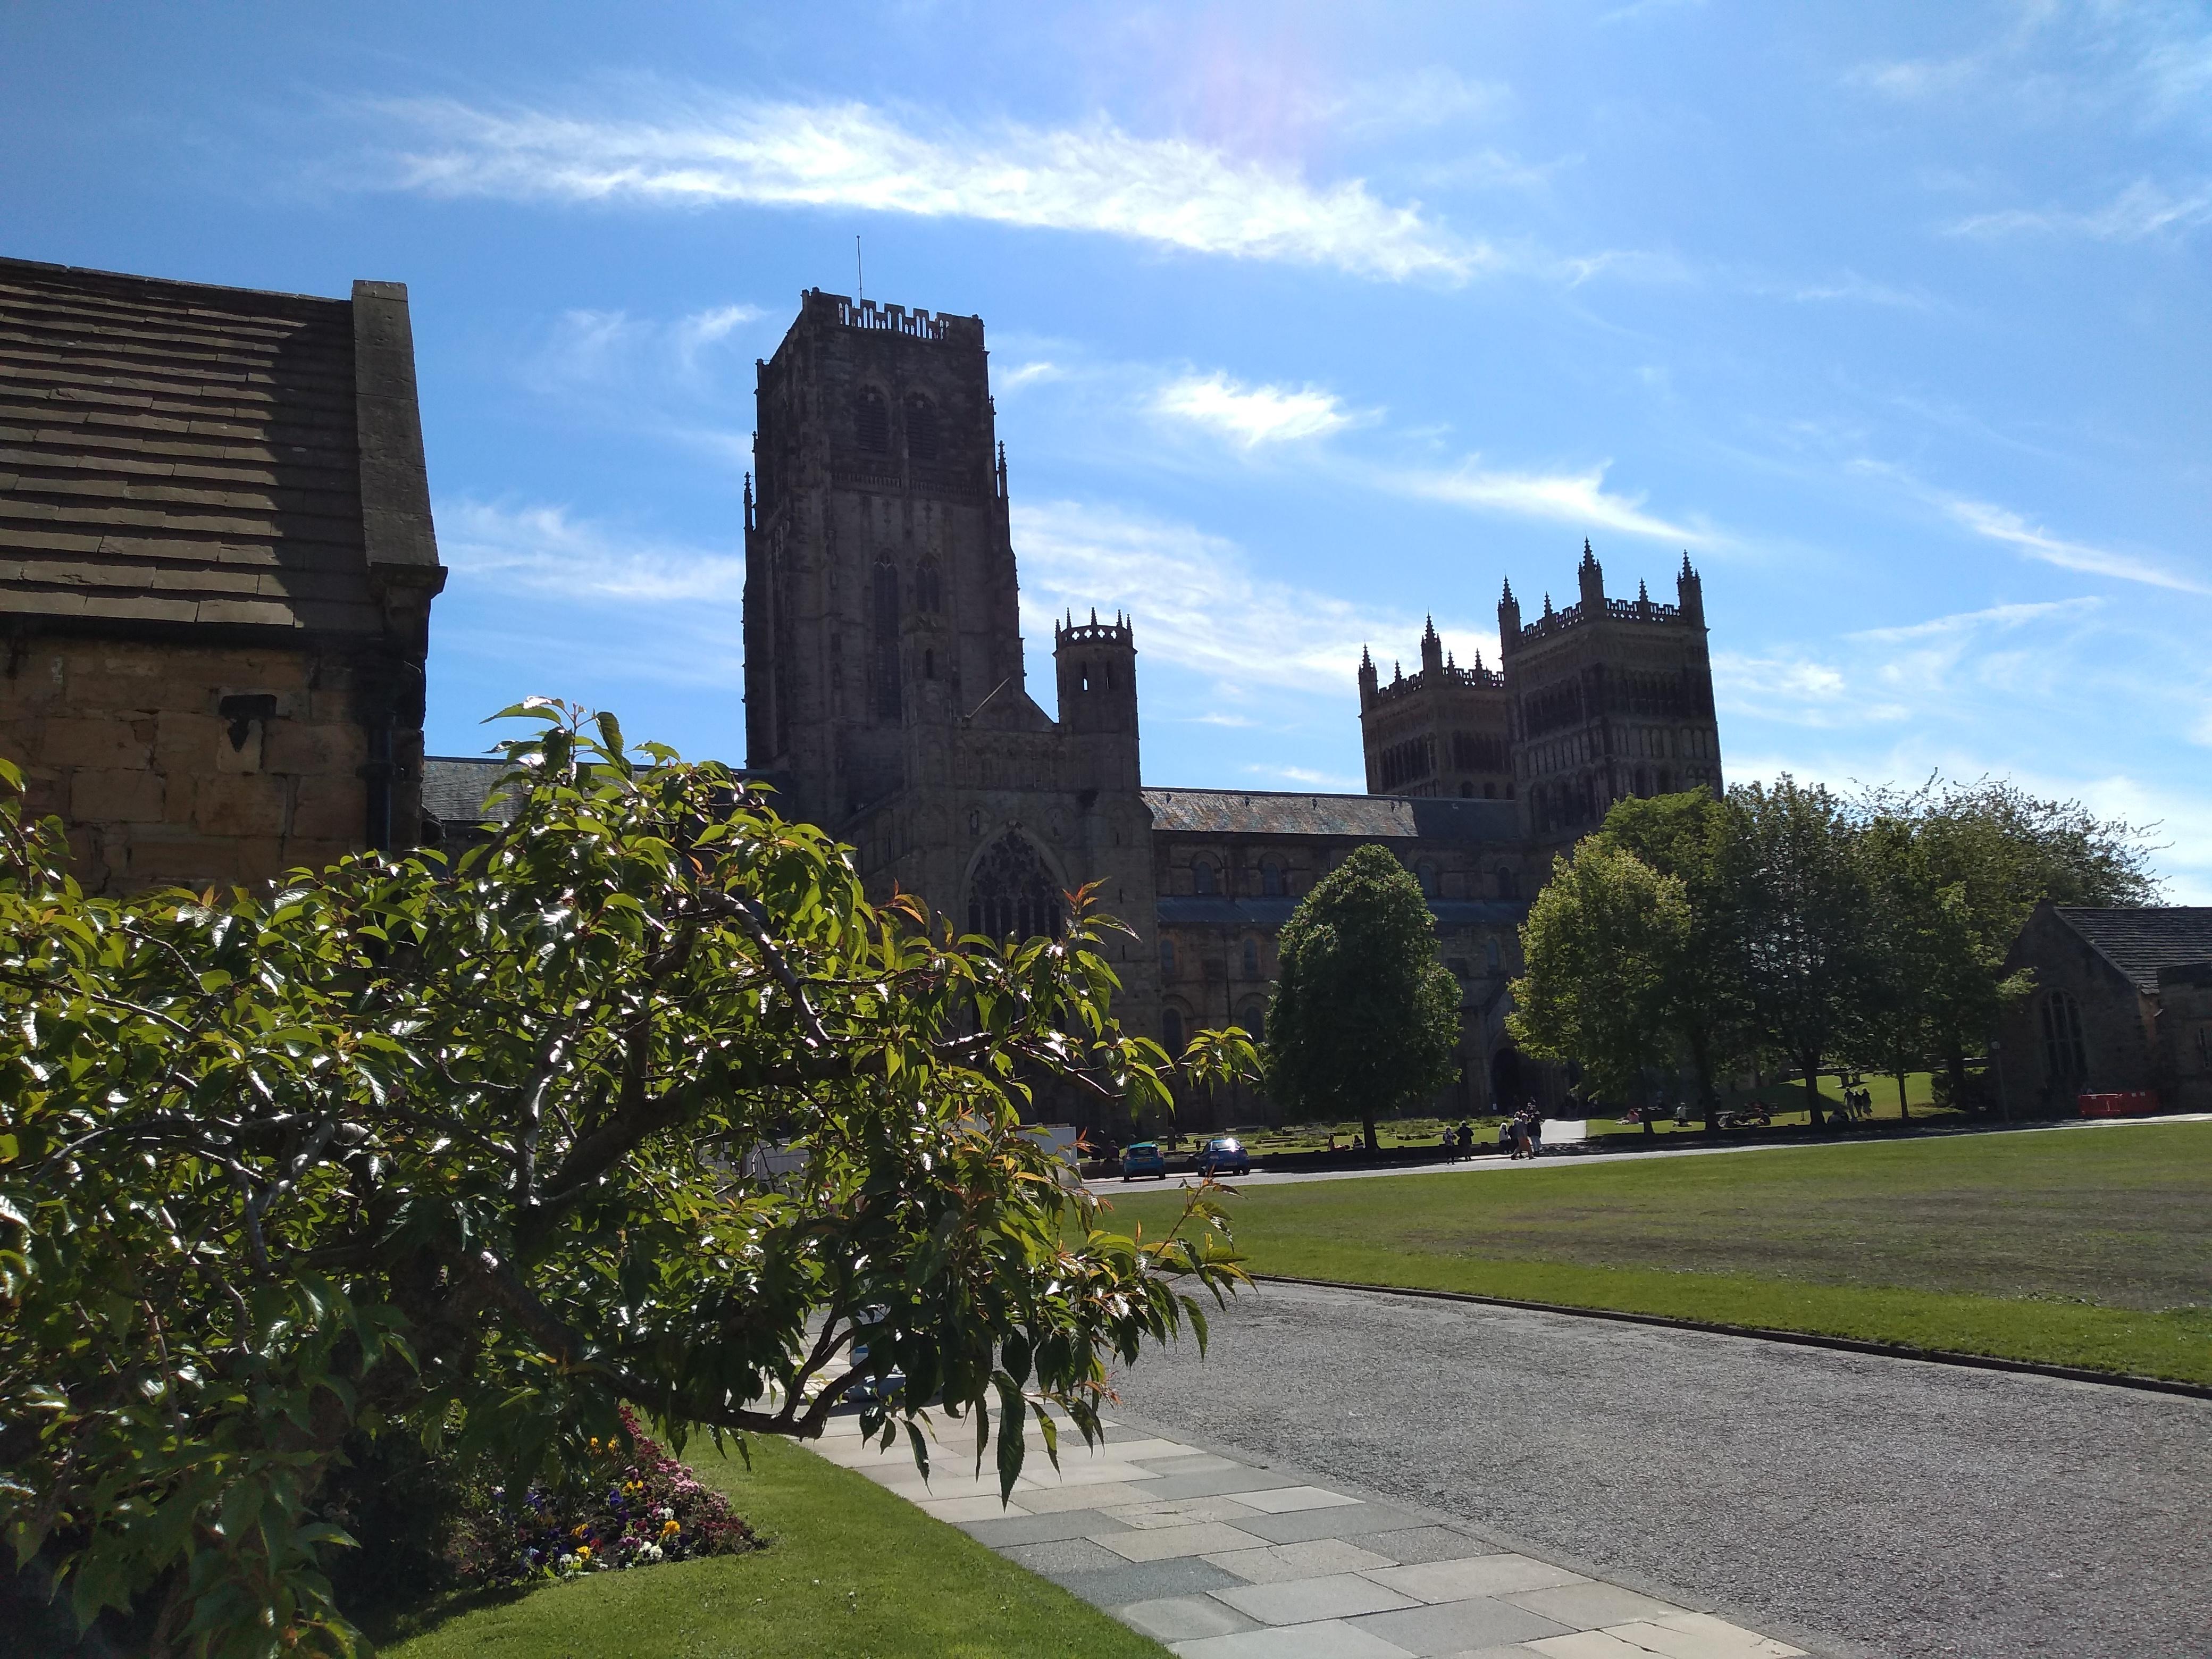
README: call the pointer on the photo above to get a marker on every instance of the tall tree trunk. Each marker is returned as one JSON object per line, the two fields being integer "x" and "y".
{"x": 1812, "y": 1064}
{"x": 1701, "y": 1056}
{"x": 1903, "y": 1111}
{"x": 1367, "y": 1128}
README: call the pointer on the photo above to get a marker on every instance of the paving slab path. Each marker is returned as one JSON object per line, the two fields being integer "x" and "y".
{"x": 1223, "y": 1557}
{"x": 1851, "y": 1503}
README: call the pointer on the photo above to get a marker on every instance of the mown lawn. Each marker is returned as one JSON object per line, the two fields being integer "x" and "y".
{"x": 850, "y": 1570}
{"x": 2085, "y": 1247}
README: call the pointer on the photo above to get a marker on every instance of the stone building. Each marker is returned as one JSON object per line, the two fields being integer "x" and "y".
{"x": 887, "y": 699}
{"x": 216, "y": 566}
{"x": 2122, "y": 1005}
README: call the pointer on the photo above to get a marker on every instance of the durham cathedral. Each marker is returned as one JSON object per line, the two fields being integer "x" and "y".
{"x": 220, "y": 565}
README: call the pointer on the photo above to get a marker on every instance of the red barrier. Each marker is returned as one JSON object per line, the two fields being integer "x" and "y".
{"x": 2138, "y": 1103}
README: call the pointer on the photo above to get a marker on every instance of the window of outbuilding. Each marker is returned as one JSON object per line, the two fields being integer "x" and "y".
{"x": 871, "y": 422}
{"x": 2063, "y": 1051}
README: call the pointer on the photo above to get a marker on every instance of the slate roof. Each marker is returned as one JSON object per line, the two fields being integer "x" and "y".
{"x": 454, "y": 787}
{"x": 2140, "y": 941}
{"x": 174, "y": 453}
{"x": 1367, "y": 818}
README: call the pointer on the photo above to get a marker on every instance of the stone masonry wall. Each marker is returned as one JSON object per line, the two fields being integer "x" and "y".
{"x": 127, "y": 742}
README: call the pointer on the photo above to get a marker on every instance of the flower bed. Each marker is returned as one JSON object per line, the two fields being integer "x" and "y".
{"x": 638, "y": 1507}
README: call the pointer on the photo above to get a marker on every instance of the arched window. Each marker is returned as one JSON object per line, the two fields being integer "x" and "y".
{"x": 920, "y": 428}
{"x": 1270, "y": 878}
{"x": 1013, "y": 895}
{"x": 2063, "y": 1050}
{"x": 886, "y": 667}
{"x": 928, "y": 588}
{"x": 871, "y": 422}
{"x": 1253, "y": 1016}
{"x": 1490, "y": 952}
{"x": 1467, "y": 792}
{"x": 1203, "y": 880}
{"x": 1167, "y": 958}
{"x": 929, "y": 665}
{"x": 1507, "y": 886}
{"x": 1251, "y": 958}
{"x": 1171, "y": 1031}
{"x": 1425, "y": 873}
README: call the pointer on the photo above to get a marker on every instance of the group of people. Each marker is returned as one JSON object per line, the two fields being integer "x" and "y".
{"x": 1524, "y": 1132}
{"x": 1858, "y": 1103}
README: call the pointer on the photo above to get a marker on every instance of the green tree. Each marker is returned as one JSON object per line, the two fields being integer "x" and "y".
{"x": 1802, "y": 902}
{"x": 1365, "y": 1019}
{"x": 1686, "y": 836}
{"x": 460, "y": 1152}
{"x": 1601, "y": 945}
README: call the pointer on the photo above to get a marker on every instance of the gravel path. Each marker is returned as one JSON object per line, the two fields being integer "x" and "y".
{"x": 1917, "y": 1509}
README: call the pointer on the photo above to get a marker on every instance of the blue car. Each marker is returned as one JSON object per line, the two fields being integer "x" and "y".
{"x": 1223, "y": 1155}
{"x": 1143, "y": 1158}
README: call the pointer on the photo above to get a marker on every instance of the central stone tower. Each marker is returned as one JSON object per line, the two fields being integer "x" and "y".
{"x": 885, "y": 695}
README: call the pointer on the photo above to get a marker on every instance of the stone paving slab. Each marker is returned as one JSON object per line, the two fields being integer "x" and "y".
{"x": 1222, "y": 1559}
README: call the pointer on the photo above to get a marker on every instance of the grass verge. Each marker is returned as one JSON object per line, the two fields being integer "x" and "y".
{"x": 2089, "y": 1246}
{"x": 850, "y": 1570}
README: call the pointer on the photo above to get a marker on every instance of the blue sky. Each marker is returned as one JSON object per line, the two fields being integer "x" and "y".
{"x": 1305, "y": 321}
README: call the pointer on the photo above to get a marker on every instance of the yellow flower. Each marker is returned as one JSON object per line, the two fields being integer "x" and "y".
{"x": 668, "y": 1527}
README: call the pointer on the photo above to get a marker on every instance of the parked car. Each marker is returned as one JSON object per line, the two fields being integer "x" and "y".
{"x": 1223, "y": 1155}
{"x": 1143, "y": 1158}
{"x": 885, "y": 1386}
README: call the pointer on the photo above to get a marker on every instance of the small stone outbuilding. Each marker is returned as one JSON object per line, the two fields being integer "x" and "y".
{"x": 216, "y": 566}
{"x": 2122, "y": 1005}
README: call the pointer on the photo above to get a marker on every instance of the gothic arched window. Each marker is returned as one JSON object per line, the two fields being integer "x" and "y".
{"x": 1203, "y": 881}
{"x": 928, "y": 588}
{"x": 1270, "y": 878}
{"x": 920, "y": 428}
{"x": 886, "y": 667}
{"x": 2063, "y": 1050}
{"x": 872, "y": 421}
{"x": 1013, "y": 895}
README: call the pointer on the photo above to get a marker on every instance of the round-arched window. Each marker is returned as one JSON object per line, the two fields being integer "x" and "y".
{"x": 1425, "y": 873}
{"x": 1508, "y": 887}
{"x": 920, "y": 428}
{"x": 2063, "y": 1051}
{"x": 1013, "y": 895}
{"x": 1167, "y": 957}
{"x": 872, "y": 421}
{"x": 1203, "y": 881}
{"x": 1253, "y": 1016}
{"x": 1251, "y": 958}
{"x": 1171, "y": 1031}
{"x": 1270, "y": 878}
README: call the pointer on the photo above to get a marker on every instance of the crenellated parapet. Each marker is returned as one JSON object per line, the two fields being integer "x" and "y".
{"x": 949, "y": 329}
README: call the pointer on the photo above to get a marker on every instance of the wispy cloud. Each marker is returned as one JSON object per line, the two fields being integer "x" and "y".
{"x": 1167, "y": 191}
{"x": 544, "y": 551}
{"x": 2143, "y": 209}
{"x": 1194, "y": 599}
{"x": 600, "y": 349}
{"x": 2002, "y": 525}
{"x": 1306, "y": 774}
{"x": 1029, "y": 374}
{"x": 1569, "y": 498}
{"x": 1252, "y": 416}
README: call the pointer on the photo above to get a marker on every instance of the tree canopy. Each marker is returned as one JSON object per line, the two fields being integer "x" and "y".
{"x": 1870, "y": 929}
{"x": 463, "y": 1151}
{"x": 1364, "y": 1018}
